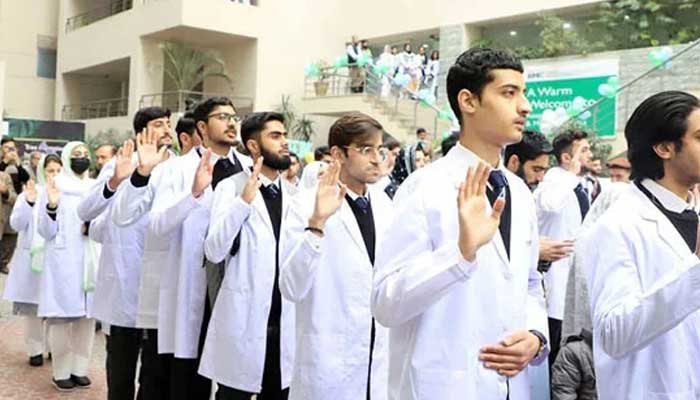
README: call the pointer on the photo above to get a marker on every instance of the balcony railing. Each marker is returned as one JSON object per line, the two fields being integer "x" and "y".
{"x": 98, "y": 13}
{"x": 183, "y": 100}
{"x": 96, "y": 109}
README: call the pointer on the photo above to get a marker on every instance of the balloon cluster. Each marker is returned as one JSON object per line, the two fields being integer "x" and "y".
{"x": 609, "y": 89}
{"x": 426, "y": 97}
{"x": 660, "y": 57}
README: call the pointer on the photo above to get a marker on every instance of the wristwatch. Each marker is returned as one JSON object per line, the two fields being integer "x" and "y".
{"x": 543, "y": 342}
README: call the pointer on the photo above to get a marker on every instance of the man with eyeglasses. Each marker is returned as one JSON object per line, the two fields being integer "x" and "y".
{"x": 183, "y": 307}
{"x": 333, "y": 232}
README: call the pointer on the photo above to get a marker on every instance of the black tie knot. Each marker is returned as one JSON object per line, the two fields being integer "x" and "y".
{"x": 273, "y": 190}
{"x": 498, "y": 181}
{"x": 362, "y": 204}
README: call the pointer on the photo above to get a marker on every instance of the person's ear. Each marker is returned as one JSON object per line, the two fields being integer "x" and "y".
{"x": 665, "y": 150}
{"x": 468, "y": 102}
{"x": 513, "y": 163}
{"x": 338, "y": 153}
{"x": 252, "y": 146}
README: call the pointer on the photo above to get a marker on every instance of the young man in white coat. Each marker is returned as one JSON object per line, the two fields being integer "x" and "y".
{"x": 249, "y": 346}
{"x": 456, "y": 278}
{"x": 152, "y": 125}
{"x": 333, "y": 232}
{"x": 641, "y": 263}
{"x": 562, "y": 200}
{"x": 182, "y": 306}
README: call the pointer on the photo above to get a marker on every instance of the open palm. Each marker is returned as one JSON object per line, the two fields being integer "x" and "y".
{"x": 329, "y": 194}
{"x": 476, "y": 224}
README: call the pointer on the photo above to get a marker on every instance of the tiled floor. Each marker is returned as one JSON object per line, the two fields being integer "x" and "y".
{"x": 20, "y": 381}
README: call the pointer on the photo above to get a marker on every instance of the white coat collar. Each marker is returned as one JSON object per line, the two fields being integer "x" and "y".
{"x": 668, "y": 199}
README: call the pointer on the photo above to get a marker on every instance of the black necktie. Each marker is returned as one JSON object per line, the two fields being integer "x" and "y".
{"x": 223, "y": 168}
{"x": 582, "y": 197}
{"x": 362, "y": 204}
{"x": 498, "y": 181}
{"x": 273, "y": 190}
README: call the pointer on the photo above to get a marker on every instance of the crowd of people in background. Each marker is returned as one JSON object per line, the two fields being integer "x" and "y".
{"x": 498, "y": 266}
{"x": 422, "y": 67}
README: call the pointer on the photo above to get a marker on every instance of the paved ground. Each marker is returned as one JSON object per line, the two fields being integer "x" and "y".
{"x": 20, "y": 381}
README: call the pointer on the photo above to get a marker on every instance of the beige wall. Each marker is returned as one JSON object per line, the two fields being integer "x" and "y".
{"x": 25, "y": 94}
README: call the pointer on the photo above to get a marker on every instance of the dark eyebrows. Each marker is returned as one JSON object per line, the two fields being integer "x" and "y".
{"x": 512, "y": 86}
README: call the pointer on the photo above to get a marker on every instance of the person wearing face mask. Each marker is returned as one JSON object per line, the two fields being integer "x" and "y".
{"x": 68, "y": 277}
{"x": 22, "y": 287}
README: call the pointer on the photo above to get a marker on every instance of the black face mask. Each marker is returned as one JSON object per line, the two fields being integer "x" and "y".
{"x": 79, "y": 165}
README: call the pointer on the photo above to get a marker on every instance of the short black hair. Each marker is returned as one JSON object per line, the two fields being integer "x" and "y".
{"x": 564, "y": 141}
{"x": 390, "y": 143}
{"x": 320, "y": 152}
{"x": 351, "y": 127}
{"x": 293, "y": 155}
{"x": 662, "y": 117}
{"x": 449, "y": 142}
{"x": 148, "y": 114}
{"x": 532, "y": 145}
{"x": 472, "y": 71}
{"x": 204, "y": 108}
{"x": 112, "y": 148}
{"x": 186, "y": 126}
{"x": 420, "y": 130}
{"x": 7, "y": 139}
{"x": 254, "y": 123}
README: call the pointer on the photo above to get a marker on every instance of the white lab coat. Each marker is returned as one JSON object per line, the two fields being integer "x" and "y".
{"x": 61, "y": 291}
{"x": 183, "y": 284}
{"x": 559, "y": 218}
{"x": 132, "y": 205}
{"x": 644, "y": 287}
{"x": 442, "y": 309}
{"x": 234, "y": 350}
{"x": 23, "y": 283}
{"x": 330, "y": 280}
{"x": 116, "y": 291}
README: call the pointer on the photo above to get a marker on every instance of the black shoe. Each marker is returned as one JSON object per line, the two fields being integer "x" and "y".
{"x": 36, "y": 361}
{"x": 64, "y": 385}
{"x": 81, "y": 382}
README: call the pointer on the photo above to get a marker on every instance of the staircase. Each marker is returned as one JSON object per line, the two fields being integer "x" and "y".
{"x": 399, "y": 116}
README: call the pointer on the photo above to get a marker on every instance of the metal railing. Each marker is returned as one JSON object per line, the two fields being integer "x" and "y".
{"x": 396, "y": 100}
{"x": 98, "y": 13}
{"x": 185, "y": 100}
{"x": 96, "y": 109}
{"x": 598, "y": 113}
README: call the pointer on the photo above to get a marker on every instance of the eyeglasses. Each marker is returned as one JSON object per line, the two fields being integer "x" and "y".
{"x": 225, "y": 117}
{"x": 380, "y": 152}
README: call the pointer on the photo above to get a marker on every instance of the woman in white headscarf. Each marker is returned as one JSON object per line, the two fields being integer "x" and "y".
{"x": 69, "y": 270}
{"x": 22, "y": 287}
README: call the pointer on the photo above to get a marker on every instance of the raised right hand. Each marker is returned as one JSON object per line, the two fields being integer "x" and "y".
{"x": 253, "y": 184}
{"x": 147, "y": 149}
{"x": 330, "y": 195}
{"x": 476, "y": 225}
{"x": 30, "y": 191}
{"x": 52, "y": 192}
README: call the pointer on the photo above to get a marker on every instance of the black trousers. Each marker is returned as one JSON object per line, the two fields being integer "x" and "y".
{"x": 272, "y": 375}
{"x": 185, "y": 381}
{"x": 154, "y": 378}
{"x": 7, "y": 248}
{"x": 123, "y": 346}
{"x": 554, "y": 340}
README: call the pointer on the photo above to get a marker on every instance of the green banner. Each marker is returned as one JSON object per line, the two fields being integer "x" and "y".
{"x": 566, "y": 97}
